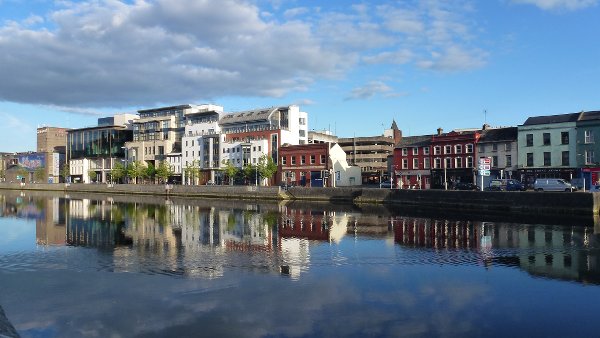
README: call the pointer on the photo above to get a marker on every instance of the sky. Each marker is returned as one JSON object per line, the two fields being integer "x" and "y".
{"x": 353, "y": 66}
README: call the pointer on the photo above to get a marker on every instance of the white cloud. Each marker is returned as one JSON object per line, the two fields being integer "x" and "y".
{"x": 371, "y": 89}
{"x": 559, "y": 4}
{"x": 115, "y": 54}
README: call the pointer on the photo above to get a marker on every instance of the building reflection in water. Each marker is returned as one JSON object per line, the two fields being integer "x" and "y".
{"x": 201, "y": 238}
{"x": 556, "y": 252}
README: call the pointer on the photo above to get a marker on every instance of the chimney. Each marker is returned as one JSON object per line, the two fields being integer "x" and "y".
{"x": 485, "y": 126}
{"x": 440, "y": 131}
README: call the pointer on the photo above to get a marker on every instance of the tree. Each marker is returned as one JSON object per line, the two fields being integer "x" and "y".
{"x": 250, "y": 172}
{"x": 136, "y": 170}
{"x": 65, "y": 171}
{"x": 163, "y": 172}
{"x": 192, "y": 172}
{"x": 39, "y": 174}
{"x": 2, "y": 174}
{"x": 92, "y": 174}
{"x": 231, "y": 171}
{"x": 118, "y": 172}
{"x": 266, "y": 167}
{"x": 22, "y": 172}
{"x": 149, "y": 171}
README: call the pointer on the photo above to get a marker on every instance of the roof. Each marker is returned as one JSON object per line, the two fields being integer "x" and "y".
{"x": 414, "y": 141}
{"x": 263, "y": 114}
{"x": 563, "y": 118}
{"x": 590, "y": 115}
{"x": 183, "y": 106}
{"x": 499, "y": 134}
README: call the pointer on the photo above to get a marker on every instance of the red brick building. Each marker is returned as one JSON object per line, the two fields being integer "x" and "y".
{"x": 305, "y": 165}
{"x": 453, "y": 157}
{"x": 412, "y": 163}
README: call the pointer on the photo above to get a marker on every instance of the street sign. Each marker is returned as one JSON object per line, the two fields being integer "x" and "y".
{"x": 484, "y": 173}
{"x": 485, "y": 167}
{"x": 485, "y": 160}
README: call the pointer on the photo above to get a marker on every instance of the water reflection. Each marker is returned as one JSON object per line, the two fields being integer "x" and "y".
{"x": 206, "y": 239}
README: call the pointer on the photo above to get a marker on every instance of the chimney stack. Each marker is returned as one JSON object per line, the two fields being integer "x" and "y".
{"x": 440, "y": 131}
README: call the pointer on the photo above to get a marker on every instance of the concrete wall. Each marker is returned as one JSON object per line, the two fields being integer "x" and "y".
{"x": 514, "y": 203}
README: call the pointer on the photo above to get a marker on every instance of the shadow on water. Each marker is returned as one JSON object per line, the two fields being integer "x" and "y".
{"x": 6, "y": 328}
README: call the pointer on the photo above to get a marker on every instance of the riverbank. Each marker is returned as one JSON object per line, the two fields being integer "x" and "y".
{"x": 516, "y": 203}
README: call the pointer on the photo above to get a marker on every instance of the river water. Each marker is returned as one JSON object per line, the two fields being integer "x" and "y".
{"x": 119, "y": 266}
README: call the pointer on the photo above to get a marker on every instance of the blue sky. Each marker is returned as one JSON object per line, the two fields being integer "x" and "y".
{"x": 353, "y": 66}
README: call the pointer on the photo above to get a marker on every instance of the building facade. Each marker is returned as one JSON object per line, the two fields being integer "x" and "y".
{"x": 412, "y": 163}
{"x": 588, "y": 129}
{"x": 453, "y": 158}
{"x": 547, "y": 147}
{"x": 500, "y": 145}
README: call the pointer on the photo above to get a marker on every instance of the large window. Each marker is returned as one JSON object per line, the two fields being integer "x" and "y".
{"x": 564, "y": 137}
{"x": 565, "y": 158}
{"x": 547, "y": 159}
{"x": 415, "y": 151}
{"x": 437, "y": 150}
{"x": 546, "y": 138}
{"x": 458, "y": 149}
{"x": 529, "y": 140}
{"x": 437, "y": 163}
{"x": 405, "y": 163}
{"x": 458, "y": 162}
{"x": 415, "y": 163}
{"x": 404, "y": 151}
{"x": 495, "y": 161}
{"x": 448, "y": 163}
{"x": 426, "y": 163}
{"x": 530, "y": 159}
{"x": 447, "y": 149}
{"x": 468, "y": 148}
{"x": 470, "y": 162}
{"x": 589, "y": 157}
{"x": 508, "y": 160}
{"x": 588, "y": 136}
{"x": 425, "y": 150}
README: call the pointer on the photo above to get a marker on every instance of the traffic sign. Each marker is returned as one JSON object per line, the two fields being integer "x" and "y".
{"x": 485, "y": 167}
{"x": 484, "y": 173}
{"x": 485, "y": 160}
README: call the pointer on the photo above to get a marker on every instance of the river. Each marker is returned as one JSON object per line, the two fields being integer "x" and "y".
{"x": 121, "y": 266}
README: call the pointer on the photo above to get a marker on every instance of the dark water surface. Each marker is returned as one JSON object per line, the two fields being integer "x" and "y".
{"x": 92, "y": 266}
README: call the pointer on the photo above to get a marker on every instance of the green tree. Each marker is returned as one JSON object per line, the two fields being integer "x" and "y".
{"x": 136, "y": 170}
{"x": 65, "y": 171}
{"x": 22, "y": 172}
{"x": 163, "y": 172}
{"x": 2, "y": 174}
{"x": 39, "y": 174}
{"x": 149, "y": 172}
{"x": 266, "y": 167}
{"x": 231, "y": 171}
{"x": 92, "y": 174}
{"x": 192, "y": 172}
{"x": 250, "y": 172}
{"x": 118, "y": 172}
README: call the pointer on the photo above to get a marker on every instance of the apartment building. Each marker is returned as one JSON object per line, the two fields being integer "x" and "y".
{"x": 500, "y": 145}
{"x": 412, "y": 163}
{"x": 454, "y": 157}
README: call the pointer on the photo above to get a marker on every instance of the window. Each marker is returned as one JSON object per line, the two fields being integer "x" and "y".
{"x": 546, "y": 137}
{"x": 458, "y": 162}
{"x": 415, "y": 151}
{"x": 447, "y": 149}
{"x": 508, "y": 160}
{"x": 437, "y": 163}
{"x": 426, "y": 163}
{"x": 495, "y": 161}
{"x": 481, "y": 148}
{"x": 415, "y": 163}
{"x": 302, "y": 159}
{"x": 283, "y": 160}
{"x": 588, "y": 136}
{"x": 564, "y": 137}
{"x": 293, "y": 159}
{"x": 494, "y": 147}
{"x": 448, "y": 163}
{"x": 547, "y": 159}
{"x": 404, "y": 151}
{"x": 458, "y": 149}
{"x": 404, "y": 163}
{"x": 437, "y": 150}
{"x": 468, "y": 148}
{"x": 529, "y": 140}
{"x": 589, "y": 157}
{"x": 565, "y": 158}
{"x": 530, "y": 159}
{"x": 322, "y": 159}
{"x": 469, "y": 162}
{"x": 425, "y": 150}
{"x": 313, "y": 159}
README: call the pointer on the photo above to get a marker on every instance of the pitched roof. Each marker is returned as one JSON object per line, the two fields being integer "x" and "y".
{"x": 248, "y": 116}
{"x": 562, "y": 118}
{"x": 499, "y": 134}
{"x": 394, "y": 125}
{"x": 590, "y": 115}
{"x": 414, "y": 141}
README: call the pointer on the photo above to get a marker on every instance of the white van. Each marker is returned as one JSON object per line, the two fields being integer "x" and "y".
{"x": 552, "y": 184}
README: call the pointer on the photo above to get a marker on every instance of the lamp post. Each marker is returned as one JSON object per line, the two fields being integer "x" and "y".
{"x": 445, "y": 177}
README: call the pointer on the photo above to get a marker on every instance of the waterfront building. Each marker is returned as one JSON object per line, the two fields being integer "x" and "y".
{"x": 588, "y": 129}
{"x": 158, "y": 132}
{"x": 411, "y": 164}
{"x": 201, "y": 145}
{"x": 370, "y": 153}
{"x": 52, "y": 142}
{"x": 317, "y": 165}
{"x": 454, "y": 157}
{"x": 500, "y": 145}
{"x": 547, "y": 147}
{"x": 97, "y": 149}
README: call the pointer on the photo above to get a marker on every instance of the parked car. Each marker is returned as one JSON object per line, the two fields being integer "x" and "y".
{"x": 506, "y": 185}
{"x": 385, "y": 184}
{"x": 552, "y": 184}
{"x": 465, "y": 186}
